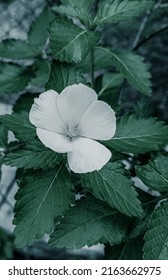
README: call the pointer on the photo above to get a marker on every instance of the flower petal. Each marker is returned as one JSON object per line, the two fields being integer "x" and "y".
{"x": 44, "y": 112}
{"x": 98, "y": 122}
{"x": 56, "y": 142}
{"x": 73, "y": 102}
{"x": 87, "y": 155}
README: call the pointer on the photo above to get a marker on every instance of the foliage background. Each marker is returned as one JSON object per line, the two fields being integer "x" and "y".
{"x": 122, "y": 36}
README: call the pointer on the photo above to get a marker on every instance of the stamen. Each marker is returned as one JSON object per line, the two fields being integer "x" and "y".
{"x": 72, "y": 132}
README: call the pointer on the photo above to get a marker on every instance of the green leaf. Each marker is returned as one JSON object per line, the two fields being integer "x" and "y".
{"x": 33, "y": 155}
{"x": 144, "y": 108}
{"x": 110, "y": 88}
{"x": 111, "y": 186}
{"x": 114, "y": 11}
{"x": 38, "y": 34}
{"x": 156, "y": 237}
{"x": 154, "y": 174}
{"x": 63, "y": 75}
{"x": 110, "y": 80}
{"x": 66, "y": 10}
{"x": 138, "y": 135}
{"x": 42, "y": 197}
{"x": 20, "y": 125}
{"x": 88, "y": 223}
{"x": 13, "y": 78}
{"x": 128, "y": 250}
{"x": 138, "y": 226}
{"x": 126, "y": 62}
{"x": 79, "y": 9}
{"x": 82, "y": 4}
{"x": 70, "y": 43}
{"x": 24, "y": 102}
{"x": 16, "y": 49}
{"x": 42, "y": 72}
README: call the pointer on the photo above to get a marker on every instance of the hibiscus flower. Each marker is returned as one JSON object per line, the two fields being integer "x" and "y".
{"x": 71, "y": 121}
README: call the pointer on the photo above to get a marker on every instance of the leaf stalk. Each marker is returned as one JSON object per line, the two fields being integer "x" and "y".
{"x": 92, "y": 67}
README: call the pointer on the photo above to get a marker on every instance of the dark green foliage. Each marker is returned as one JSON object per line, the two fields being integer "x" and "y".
{"x": 139, "y": 135}
{"x": 6, "y": 245}
{"x": 68, "y": 42}
{"x": 24, "y": 102}
{"x": 13, "y": 78}
{"x": 82, "y": 42}
{"x": 42, "y": 71}
{"x": 125, "y": 250}
{"x": 102, "y": 60}
{"x": 41, "y": 198}
{"x": 33, "y": 155}
{"x": 92, "y": 219}
{"x": 15, "y": 49}
{"x": 63, "y": 75}
{"x": 38, "y": 34}
{"x": 126, "y": 62}
{"x": 156, "y": 237}
{"x": 79, "y": 9}
{"x": 110, "y": 185}
{"x": 155, "y": 174}
{"x": 19, "y": 123}
{"x": 114, "y": 11}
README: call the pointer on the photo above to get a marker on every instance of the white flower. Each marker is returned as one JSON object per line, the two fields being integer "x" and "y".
{"x": 68, "y": 123}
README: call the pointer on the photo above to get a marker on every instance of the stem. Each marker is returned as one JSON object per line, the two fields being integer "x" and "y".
{"x": 146, "y": 39}
{"x": 141, "y": 29}
{"x": 4, "y": 196}
{"x": 156, "y": 199}
{"x": 102, "y": 90}
{"x": 136, "y": 43}
{"x": 164, "y": 6}
{"x": 92, "y": 67}
{"x": 121, "y": 94}
{"x": 144, "y": 23}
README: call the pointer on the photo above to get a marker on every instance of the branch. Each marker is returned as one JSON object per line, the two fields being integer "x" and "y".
{"x": 146, "y": 39}
{"x": 136, "y": 44}
{"x": 92, "y": 67}
{"x": 144, "y": 23}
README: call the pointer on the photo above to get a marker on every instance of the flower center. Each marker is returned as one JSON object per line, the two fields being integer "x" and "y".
{"x": 72, "y": 132}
